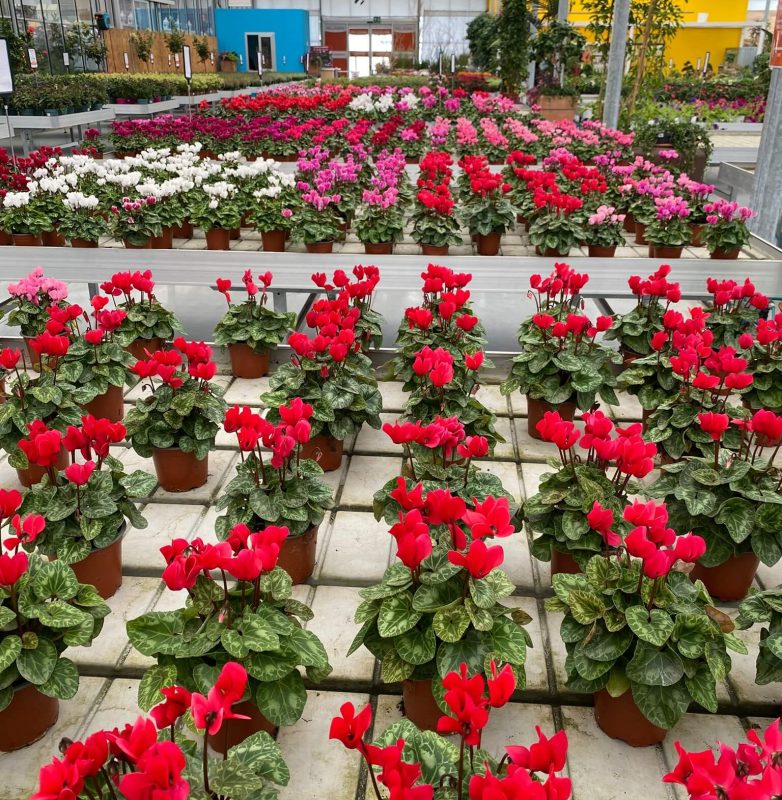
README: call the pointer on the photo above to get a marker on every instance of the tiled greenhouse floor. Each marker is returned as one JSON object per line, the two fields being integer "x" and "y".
{"x": 353, "y": 551}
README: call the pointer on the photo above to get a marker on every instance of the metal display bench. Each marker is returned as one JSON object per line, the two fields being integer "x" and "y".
{"x": 142, "y": 109}
{"x": 25, "y": 126}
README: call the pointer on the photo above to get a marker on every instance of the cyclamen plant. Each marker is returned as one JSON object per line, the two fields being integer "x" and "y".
{"x": 135, "y": 221}
{"x": 252, "y": 322}
{"x": 556, "y": 228}
{"x": 735, "y": 308}
{"x": 604, "y": 228}
{"x": 33, "y": 296}
{"x": 434, "y": 221}
{"x": 487, "y": 209}
{"x": 763, "y": 348}
{"x": 151, "y": 758}
{"x": 573, "y": 510}
{"x": 670, "y": 226}
{"x": 726, "y": 229}
{"x": 421, "y": 763}
{"x": 758, "y": 608}
{"x": 80, "y": 218}
{"x": 254, "y": 620}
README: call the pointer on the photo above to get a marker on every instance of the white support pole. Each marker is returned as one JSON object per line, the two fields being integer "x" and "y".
{"x": 563, "y": 9}
{"x": 615, "y": 69}
{"x": 767, "y": 193}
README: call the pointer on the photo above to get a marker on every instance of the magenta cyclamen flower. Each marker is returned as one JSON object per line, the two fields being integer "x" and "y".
{"x": 671, "y": 208}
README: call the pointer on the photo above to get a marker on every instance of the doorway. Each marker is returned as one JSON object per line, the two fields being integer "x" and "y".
{"x": 263, "y": 44}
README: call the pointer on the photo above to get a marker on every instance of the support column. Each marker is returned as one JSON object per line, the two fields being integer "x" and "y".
{"x": 767, "y": 193}
{"x": 563, "y": 9}
{"x": 615, "y": 69}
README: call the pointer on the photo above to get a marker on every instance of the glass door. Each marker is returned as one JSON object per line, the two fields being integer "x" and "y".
{"x": 263, "y": 44}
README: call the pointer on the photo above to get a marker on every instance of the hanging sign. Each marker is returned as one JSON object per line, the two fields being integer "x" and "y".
{"x": 33, "y": 57}
{"x": 188, "y": 69}
{"x": 776, "y": 43}
{"x": 6, "y": 76}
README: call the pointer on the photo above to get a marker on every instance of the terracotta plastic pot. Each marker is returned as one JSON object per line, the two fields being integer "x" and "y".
{"x": 183, "y": 231}
{"x": 297, "y": 555}
{"x": 319, "y": 247}
{"x": 26, "y": 718}
{"x": 273, "y": 241}
{"x": 33, "y": 474}
{"x": 234, "y": 731}
{"x": 27, "y": 240}
{"x": 521, "y": 219}
{"x": 52, "y": 238}
{"x": 246, "y": 363}
{"x": 629, "y": 223}
{"x": 83, "y": 243}
{"x": 324, "y": 449}
{"x": 103, "y": 568}
{"x": 537, "y": 408}
{"x": 6, "y": 238}
{"x": 34, "y": 358}
{"x": 557, "y": 107}
{"x": 379, "y": 248}
{"x": 620, "y": 718}
{"x": 107, "y": 405}
{"x": 178, "y": 471}
{"x": 697, "y": 234}
{"x": 665, "y": 251}
{"x": 628, "y": 357}
{"x": 640, "y": 233}
{"x": 235, "y": 234}
{"x": 419, "y": 704}
{"x": 130, "y": 246}
{"x": 601, "y": 251}
{"x": 434, "y": 250}
{"x": 563, "y": 564}
{"x": 137, "y": 348}
{"x": 731, "y": 579}
{"x": 218, "y": 239}
{"x": 488, "y": 244}
{"x": 550, "y": 252}
{"x": 165, "y": 241}
{"x": 727, "y": 255}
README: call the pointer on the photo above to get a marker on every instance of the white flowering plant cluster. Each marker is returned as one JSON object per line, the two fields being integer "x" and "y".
{"x": 273, "y": 205}
{"x": 25, "y": 212}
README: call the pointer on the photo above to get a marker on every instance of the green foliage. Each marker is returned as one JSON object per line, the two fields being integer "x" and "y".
{"x": 736, "y": 508}
{"x": 48, "y": 612}
{"x": 437, "y": 230}
{"x": 634, "y": 332}
{"x": 141, "y": 42}
{"x": 482, "y": 40}
{"x": 765, "y": 362}
{"x": 92, "y": 369}
{"x": 254, "y": 324}
{"x": 175, "y": 40}
{"x": 556, "y": 231}
{"x": 758, "y": 608}
{"x": 83, "y": 41}
{"x": 513, "y": 39}
{"x": 312, "y": 226}
{"x": 377, "y": 225}
{"x": 146, "y": 319}
{"x": 660, "y": 643}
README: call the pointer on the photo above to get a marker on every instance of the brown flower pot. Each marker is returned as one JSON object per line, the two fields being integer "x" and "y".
{"x": 246, "y": 363}
{"x": 35, "y": 359}
{"x": 26, "y": 718}
{"x": 108, "y": 405}
{"x": 640, "y": 233}
{"x": 550, "y": 252}
{"x": 537, "y": 408}
{"x": 628, "y": 357}
{"x": 130, "y": 246}
{"x": 434, "y": 250}
{"x": 665, "y": 459}
{"x": 601, "y": 251}
{"x": 218, "y": 239}
{"x": 488, "y": 244}
{"x": 34, "y": 474}
{"x": 620, "y": 718}
{"x": 178, "y": 471}
{"x": 665, "y": 251}
{"x": 273, "y": 241}
{"x": 235, "y": 234}
{"x": 324, "y": 449}
{"x": 319, "y": 247}
{"x": 557, "y": 107}
{"x": 163, "y": 242}
{"x": 83, "y": 243}
{"x": 521, "y": 219}
{"x": 645, "y": 414}
{"x": 6, "y": 238}
{"x": 103, "y": 568}
{"x": 137, "y": 348}
{"x": 563, "y": 564}
{"x": 419, "y": 704}
{"x": 297, "y": 555}
{"x": 629, "y": 223}
{"x": 731, "y": 579}
{"x": 234, "y": 731}
{"x": 183, "y": 231}
{"x": 727, "y": 255}
{"x": 27, "y": 240}
{"x": 697, "y": 234}
{"x": 379, "y": 248}
{"x": 52, "y": 238}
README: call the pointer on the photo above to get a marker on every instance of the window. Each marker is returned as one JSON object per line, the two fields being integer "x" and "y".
{"x": 263, "y": 44}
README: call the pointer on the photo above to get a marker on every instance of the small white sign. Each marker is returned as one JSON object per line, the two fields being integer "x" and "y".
{"x": 453, "y": 64}
{"x": 706, "y": 61}
{"x": 127, "y": 60}
{"x": 176, "y": 60}
{"x": 33, "y": 57}
{"x": 188, "y": 69}
{"x": 260, "y": 63}
{"x": 151, "y": 58}
{"x": 6, "y": 76}
{"x": 66, "y": 60}
{"x": 212, "y": 57}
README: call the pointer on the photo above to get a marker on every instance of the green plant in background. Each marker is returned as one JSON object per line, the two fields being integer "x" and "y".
{"x": 513, "y": 40}
{"x": 557, "y": 48}
{"x": 141, "y": 42}
{"x": 82, "y": 41}
{"x": 766, "y": 607}
{"x": 482, "y": 35}
{"x": 175, "y": 40}
{"x": 202, "y": 48}
{"x": 18, "y": 43}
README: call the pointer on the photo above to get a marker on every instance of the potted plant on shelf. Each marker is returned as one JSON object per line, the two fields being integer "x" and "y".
{"x": 759, "y": 607}
{"x": 238, "y": 606}
{"x": 558, "y": 48}
{"x": 380, "y": 220}
{"x": 316, "y": 222}
{"x": 80, "y": 223}
{"x": 330, "y": 373}
{"x": 764, "y": 352}
{"x": 561, "y": 365}
{"x": 731, "y": 499}
{"x": 153, "y": 756}
{"x": 640, "y": 635}
{"x": 176, "y": 423}
{"x": 435, "y": 226}
{"x": 44, "y": 610}
{"x": 23, "y": 215}
{"x": 135, "y": 222}
{"x": 575, "y": 507}
{"x": 669, "y": 231}
{"x": 228, "y": 61}
{"x": 250, "y": 329}
{"x": 440, "y": 604}
{"x": 735, "y": 308}
{"x": 272, "y": 213}
{"x": 635, "y": 331}
{"x": 487, "y": 212}
{"x": 215, "y": 209}
{"x": 604, "y": 232}
{"x": 87, "y": 505}
{"x": 725, "y": 231}
{"x": 555, "y": 229}
{"x": 147, "y": 323}
{"x": 285, "y": 490}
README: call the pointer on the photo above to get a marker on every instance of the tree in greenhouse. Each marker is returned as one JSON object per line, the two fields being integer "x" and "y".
{"x": 482, "y": 39}
{"x": 513, "y": 25}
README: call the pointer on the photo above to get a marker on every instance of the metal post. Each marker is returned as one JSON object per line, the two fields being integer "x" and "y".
{"x": 10, "y": 134}
{"x": 767, "y": 194}
{"x": 563, "y": 9}
{"x": 615, "y": 70}
{"x": 532, "y": 34}
{"x": 762, "y": 31}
